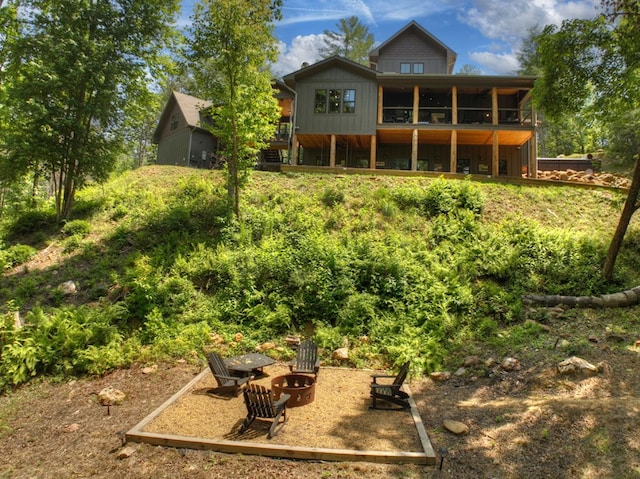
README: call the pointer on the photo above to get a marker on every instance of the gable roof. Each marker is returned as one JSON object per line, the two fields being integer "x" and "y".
{"x": 334, "y": 61}
{"x": 189, "y": 106}
{"x": 421, "y": 31}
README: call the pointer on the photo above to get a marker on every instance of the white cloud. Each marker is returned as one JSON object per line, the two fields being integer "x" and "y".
{"x": 496, "y": 63}
{"x": 509, "y": 21}
{"x": 302, "y": 49}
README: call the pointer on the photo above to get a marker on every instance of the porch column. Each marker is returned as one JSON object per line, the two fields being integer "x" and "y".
{"x": 294, "y": 151}
{"x": 533, "y": 157}
{"x": 453, "y": 160}
{"x": 373, "y": 152}
{"x": 416, "y": 103}
{"x": 380, "y": 96}
{"x": 495, "y": 156}
{"x": 414, "y": 150}
{"x": 454, "y": 105}
{"x": 494, "y": 106}
{"x": 332, "y": 152}
{"x": 533, "y": 144}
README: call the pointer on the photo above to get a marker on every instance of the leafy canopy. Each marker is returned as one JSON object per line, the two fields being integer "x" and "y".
{"x": 231, "y": 42}
{"x": 75, "y": 67}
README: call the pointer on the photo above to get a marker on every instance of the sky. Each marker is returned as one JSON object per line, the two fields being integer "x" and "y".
{"x": 486, "y": 34}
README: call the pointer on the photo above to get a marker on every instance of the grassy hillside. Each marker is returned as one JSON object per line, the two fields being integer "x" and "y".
{"x": 397, "y": 268}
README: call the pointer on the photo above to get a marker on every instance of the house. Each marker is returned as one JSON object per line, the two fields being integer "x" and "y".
{"x": 183, "y": 139}
{"x": 405, "y": 111}
{"x": 180, "y": 135}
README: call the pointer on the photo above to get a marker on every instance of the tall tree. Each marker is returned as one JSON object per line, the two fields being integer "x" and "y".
{"x": 75, "y": 65}
{"x": 468, "y": 69}
{"x": 230, "y": 45}
{"x": 352, "y": 40}
{"x": 596, "y": 61}
{"x": 528, "y": 53}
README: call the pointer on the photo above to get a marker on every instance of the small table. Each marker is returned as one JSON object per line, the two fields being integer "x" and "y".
{"x": 248, "y": 363}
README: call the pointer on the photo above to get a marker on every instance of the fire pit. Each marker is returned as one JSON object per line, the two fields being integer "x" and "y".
{"x": 302, "y": 389}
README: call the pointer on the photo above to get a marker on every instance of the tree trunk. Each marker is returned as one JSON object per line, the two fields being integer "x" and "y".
{"x": 630, "y": 207}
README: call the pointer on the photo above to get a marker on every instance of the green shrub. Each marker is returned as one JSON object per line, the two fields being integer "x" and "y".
{"x": 32, "y": 221}
{"x": 57, "y": 344}
{"x": 441, "y": 197}
{"x": 16, "y": 254}
{"x": 79, "y": 228}
{"x": 332, "y": 197}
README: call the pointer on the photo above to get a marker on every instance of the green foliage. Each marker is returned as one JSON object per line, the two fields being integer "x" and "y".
{"x": 421, "y": 283}
{"x": 15, "y": 255}
{"x": 31, "y": 221}
{"x": 440, "y": 197}
{"x": 77, "y": 68}
{"x": 332, "y": 197}
{"x": 62, "y": 342}
{"x": 229, "y": 44}
{"x": 76, "y": 228}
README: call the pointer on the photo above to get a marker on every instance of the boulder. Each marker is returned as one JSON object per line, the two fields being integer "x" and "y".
{"x": 126, "y": 452}
{"x": 456, "y": 427}
{"x": 265, "y": 346}
{"x": 110, "y": 396}
{"x": 150, "y": 369}
{"x": 575, "y": 364}
{"x": 470, "y": 361}
{"x": 440, "y": 376}
{"x": 341, "y": 354}
{"x": 510, "y": 364}
{"x": 68, "y": 288}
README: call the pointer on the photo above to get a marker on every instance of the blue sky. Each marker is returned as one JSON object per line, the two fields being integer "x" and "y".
{"x": 484, "y": 33}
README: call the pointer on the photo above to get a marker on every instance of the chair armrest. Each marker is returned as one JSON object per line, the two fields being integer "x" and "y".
{"x": 283, "y": 399}
{"x": 236, "y": 379}
{"x": 375, "y": 377}
{"x": 393, "y": 387}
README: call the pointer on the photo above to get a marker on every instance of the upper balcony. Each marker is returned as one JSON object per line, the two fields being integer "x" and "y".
{"x": 456, "y": 106}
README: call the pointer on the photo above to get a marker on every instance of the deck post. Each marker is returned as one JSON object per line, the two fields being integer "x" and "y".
{"x": 453, "y": 159}
{"x": 373, "y": 153}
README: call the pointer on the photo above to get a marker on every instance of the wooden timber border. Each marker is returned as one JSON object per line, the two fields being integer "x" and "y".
{"x": 137, "y": 434}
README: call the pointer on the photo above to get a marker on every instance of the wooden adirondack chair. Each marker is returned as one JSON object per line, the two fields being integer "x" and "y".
{"x": 390, "y": 392}
{"x": 226, "y": 382}
{"x": 260, "y": 405}
{"x": 306, "y": 361}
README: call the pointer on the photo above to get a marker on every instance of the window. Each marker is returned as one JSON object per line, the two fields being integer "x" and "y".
{"x": 335, "y": 101}
{"x": 405, "y": 68}
{"x": 174, "y": 122}
{"x": 321, "y": 101}
{"x": 418, "y": 68}
{"x": 349, "y": 101}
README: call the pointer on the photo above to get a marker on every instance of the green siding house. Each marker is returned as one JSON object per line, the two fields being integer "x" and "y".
{"x": 404, "y": 111}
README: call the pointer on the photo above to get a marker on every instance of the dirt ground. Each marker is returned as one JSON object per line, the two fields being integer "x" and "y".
{"x": 530, "y": 423}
